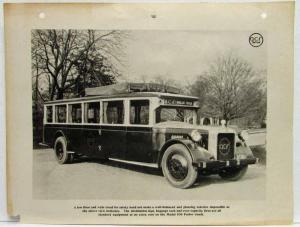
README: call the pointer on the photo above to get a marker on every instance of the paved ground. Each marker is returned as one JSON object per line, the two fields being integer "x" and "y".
{"x": 91, "y": 179}
{"x": 257, "y": 137}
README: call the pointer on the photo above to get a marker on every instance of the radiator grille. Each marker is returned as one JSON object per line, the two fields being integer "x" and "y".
{"x": 225, "y": 146}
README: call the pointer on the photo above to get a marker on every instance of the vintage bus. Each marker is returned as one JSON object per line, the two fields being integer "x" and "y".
{"x": 148, "y": 125}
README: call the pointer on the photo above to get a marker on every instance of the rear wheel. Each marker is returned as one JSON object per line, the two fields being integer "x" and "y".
{"x": 233, "y": 174}
{"x": 61, "y": 153}
{"x": 177, "y": 166}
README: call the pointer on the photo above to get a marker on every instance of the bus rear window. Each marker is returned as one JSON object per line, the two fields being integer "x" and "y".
{"x": 92, "y": 112}
{"x": 49, "y": 114}
{"x": 113, "y": 112}
{"x": 61, "y": 113}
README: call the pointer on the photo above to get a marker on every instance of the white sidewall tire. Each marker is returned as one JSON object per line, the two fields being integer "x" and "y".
{"x": 66, "y": 157}
{"x": 192, "y": 174}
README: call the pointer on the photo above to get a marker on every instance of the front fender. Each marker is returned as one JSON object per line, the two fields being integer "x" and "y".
{"x": 197, "y": 153}
{"x": 243, "y": 151}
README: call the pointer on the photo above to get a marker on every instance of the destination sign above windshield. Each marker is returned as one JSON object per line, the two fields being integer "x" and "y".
{"x": 170, "y": 101}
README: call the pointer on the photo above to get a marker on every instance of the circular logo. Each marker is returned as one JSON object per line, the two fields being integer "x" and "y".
{"x": 256, "y": 40}
{"x": 224, "y": 146}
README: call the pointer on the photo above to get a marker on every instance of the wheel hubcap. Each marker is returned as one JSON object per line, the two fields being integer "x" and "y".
{"x": 178, "y": 167}
{"x": 59, "y": 151}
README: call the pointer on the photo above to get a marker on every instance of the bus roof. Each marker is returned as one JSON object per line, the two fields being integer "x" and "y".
{"x": 128, "y": 87}
{"x": 126, "y": 95}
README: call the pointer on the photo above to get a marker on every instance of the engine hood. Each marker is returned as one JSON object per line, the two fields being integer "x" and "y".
{"x": 186, "y": 126}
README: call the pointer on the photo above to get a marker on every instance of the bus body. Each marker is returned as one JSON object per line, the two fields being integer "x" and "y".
{"x": 154, "y": 129}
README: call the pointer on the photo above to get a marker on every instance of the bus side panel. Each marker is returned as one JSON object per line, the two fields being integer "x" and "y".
{"x": 86, "y": 140}
{"x": 139, "y": 145}
{"x": 48, "y": 135}
{"x": 113, "y": 141}
{"x": 50, "y": 132}
{"x": 75, "y": 140}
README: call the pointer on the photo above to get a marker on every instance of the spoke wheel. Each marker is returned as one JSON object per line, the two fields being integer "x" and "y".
{"x": 177, "y": 166}
{"x": 61, "y": 153}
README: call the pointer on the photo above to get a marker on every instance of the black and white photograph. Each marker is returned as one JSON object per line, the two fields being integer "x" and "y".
{"x": 149, "y": 114}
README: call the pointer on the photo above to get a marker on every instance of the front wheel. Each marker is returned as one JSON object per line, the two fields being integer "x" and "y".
{"x": 233, "y": 174}
{"x": 61, "y": 153}
{"x": 177, "y": 166}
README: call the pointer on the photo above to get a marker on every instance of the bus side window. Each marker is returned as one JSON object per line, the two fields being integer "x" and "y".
{"x": 49, "y": 114}
{"x": 75, "y": 113}
{"x": 139, "y": 112}
{"x": 113, "y": 112}
{"x": 92, "y": 112}
{"x": 61, "y": 113}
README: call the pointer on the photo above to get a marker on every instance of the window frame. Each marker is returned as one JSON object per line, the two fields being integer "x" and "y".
{"x": 100, "y": 112}
{"x": 149, "y": 113}
{"x": 153, "y": 103}
{"x": 46, "y": 114}
{"x": 125, "y": 109}
{"x": 175, "y": 106}
{"x": 74, "y": 123}
{"x": 55, "y": 120}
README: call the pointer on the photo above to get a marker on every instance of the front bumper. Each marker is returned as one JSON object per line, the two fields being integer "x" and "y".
{"x": 217, "y": 164}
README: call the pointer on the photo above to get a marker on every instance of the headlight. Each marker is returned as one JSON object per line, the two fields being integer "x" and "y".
{"x": 196, "y": 136}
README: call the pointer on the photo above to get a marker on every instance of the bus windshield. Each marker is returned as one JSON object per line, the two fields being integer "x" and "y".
{"x": 181, "y": 114}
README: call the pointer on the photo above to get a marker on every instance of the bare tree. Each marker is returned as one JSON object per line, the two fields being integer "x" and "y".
{"x": 69, "y": 60}
{"x": 230, "y": 89}
{"x": 64, "y": 62}
{"x": 167, "y": 80}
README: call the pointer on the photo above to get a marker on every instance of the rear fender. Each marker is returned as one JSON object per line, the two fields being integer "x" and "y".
{"x": 58, "y": 134}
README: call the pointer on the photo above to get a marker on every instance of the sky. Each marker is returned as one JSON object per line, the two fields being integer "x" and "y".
{"x": 183, "y": 55}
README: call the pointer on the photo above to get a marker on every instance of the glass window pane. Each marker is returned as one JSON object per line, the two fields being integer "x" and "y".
{"x": 75, "y": 113}
{"x": 49, "y": 114}
{"x": 92, "y": 112}
{"x": 113, "y": 112}
{"x": 175, "y": 114}
{"x": 139, "y": 112}
{"x": 61, "y": 113}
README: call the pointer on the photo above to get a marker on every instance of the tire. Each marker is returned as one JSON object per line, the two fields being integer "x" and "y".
{"x": 177, "y": 166}
{"x": 233, "y": 174}
{"x": 60, "y": 151}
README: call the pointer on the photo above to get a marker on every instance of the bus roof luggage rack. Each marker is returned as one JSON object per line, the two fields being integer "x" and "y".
{"x": 123, "y": 88}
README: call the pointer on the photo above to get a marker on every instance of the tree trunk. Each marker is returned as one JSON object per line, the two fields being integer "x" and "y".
{"x": 53, "y": 89}
{"x": 226, "y": 118}
{"x": 60, "y": 94}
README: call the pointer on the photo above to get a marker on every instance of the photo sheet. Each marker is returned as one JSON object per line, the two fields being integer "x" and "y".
{"x": 150, "y": 114}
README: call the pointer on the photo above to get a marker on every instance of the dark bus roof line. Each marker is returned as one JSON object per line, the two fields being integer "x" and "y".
{"x": 126, "y": 95}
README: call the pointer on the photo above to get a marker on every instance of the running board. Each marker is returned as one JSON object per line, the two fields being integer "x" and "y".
{"x": 44, "y": 145}
{"x": 151, "y": 165}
